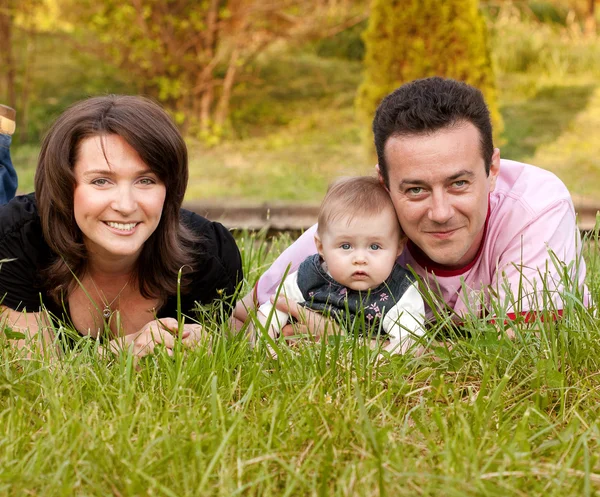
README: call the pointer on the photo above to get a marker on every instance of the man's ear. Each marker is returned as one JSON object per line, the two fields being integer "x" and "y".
{"x": 402, "y": 244}
{"x": 319, "y": 244}
{"x": 494, "y": 169}
{"x": 380, "y": 178}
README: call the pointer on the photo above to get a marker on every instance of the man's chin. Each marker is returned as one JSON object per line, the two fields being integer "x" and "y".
{"x": 445, "y": 258}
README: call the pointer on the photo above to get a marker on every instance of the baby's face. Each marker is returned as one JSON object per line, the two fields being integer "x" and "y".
{"x": 360, "y": 253}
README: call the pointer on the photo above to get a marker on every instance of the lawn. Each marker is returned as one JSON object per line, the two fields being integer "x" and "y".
{"x": 486, "y": 416}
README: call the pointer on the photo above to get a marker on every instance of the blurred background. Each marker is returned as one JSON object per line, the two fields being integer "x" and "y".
{"x": 275, "y": 97}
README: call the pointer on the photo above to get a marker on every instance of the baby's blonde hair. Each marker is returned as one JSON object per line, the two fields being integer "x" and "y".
{"x": 351, "y": 196}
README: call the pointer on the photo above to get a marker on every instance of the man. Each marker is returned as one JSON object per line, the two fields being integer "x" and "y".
{"x": 487, "y": 236}
{"x": 8, "y": 176}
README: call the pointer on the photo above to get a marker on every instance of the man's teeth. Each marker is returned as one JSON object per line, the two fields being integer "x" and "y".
{"x": 122, "y": 226}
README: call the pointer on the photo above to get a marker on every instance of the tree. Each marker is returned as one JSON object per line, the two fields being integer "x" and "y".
{"x": 189, "y": 53}
{"x": 411, "y": 39}
{"x": 22, "y": 19}
{"x": 7, "y": 60}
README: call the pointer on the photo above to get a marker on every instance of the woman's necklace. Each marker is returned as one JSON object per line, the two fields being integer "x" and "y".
{"x": 107, "y": 311}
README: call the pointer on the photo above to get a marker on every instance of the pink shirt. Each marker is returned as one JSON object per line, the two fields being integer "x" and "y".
{"x": 530, "y": 228}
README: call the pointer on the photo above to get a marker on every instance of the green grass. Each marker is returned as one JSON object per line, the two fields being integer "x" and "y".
{"x": 490, "y": 416}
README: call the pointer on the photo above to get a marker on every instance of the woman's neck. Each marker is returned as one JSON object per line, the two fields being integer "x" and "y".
{"x": 110, "y": 273}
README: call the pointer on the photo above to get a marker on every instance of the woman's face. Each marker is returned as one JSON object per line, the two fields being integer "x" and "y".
{"x": 118, "y": 200}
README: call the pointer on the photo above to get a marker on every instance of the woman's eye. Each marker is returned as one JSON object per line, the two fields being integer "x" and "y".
{"x": 375, "y": 246}
{"x": 147, "y": 181}
{"x": 345, "y": 246}
{"x": 100, "y": 182}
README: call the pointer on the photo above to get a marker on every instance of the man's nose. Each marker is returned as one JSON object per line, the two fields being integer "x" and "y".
{"x": 441, "y": 210}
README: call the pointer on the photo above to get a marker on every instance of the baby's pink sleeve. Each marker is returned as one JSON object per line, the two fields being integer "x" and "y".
{"x": 290, "y": 257}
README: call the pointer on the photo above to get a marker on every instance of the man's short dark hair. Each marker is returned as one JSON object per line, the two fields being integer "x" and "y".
{"x": 427, "y": 105}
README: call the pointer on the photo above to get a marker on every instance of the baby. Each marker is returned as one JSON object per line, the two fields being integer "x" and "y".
{"x": 355, "y": 272}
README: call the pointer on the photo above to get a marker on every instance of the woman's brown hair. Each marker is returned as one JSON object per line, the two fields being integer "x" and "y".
{"x": 147, "y": 128}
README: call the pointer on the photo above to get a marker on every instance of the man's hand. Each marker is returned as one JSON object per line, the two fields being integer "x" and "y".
{"x": 308, "y": 323}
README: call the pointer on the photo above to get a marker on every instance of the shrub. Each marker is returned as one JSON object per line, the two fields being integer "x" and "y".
{"x": 411, "y": 39}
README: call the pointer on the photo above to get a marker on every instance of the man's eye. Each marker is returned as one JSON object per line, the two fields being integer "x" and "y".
{"x": 460, "y": 183}
{"x": 415, "y": 190}
{"x": 375, "y": 246}
{"x": 345, "y": 246}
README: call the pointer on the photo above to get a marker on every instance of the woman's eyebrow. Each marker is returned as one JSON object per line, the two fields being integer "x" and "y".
{"x": 110, "y": 172}
{"x": 93, "y": 172}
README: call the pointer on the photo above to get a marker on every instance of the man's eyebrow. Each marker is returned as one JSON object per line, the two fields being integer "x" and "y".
{"x": 419, "y": 182}
{"x": 460, "y": 174}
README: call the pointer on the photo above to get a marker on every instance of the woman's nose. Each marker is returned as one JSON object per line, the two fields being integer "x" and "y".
{"x": 124, "y": 201}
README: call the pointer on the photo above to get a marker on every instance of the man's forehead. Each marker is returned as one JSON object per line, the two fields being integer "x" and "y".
{"x": 445, "y": 152}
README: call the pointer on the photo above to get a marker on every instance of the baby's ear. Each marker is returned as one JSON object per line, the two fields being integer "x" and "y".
{"x": 319, "y": 244}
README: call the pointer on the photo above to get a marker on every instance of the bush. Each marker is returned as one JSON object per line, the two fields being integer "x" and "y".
{"x": 411, "y": 39}
{"x": 347, "y": 44}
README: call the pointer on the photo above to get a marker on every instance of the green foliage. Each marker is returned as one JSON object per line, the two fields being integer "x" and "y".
{"x": 410, "y": 39}
{"x": 348, "y": 44}
{"x": 548, "y": 12}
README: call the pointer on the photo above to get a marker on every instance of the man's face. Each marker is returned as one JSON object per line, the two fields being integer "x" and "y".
{"x": 439, "y": 188}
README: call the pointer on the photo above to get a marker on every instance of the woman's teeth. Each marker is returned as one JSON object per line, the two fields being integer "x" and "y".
{"x": 122, "y": 226}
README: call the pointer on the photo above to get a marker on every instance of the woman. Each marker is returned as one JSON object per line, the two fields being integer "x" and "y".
{"x": 102, "y": 240}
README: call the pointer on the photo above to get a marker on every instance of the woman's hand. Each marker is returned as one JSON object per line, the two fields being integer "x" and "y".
{"x": 157, "y": 332}
{"x": 192, "y": 334}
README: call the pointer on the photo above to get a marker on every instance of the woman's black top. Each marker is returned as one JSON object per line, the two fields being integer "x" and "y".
{"x": 217, "y": 268}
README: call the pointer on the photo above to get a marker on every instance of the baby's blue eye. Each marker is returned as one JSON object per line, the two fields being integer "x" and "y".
{"x": 375, "y": 246}
{"x": 345, "y": 246}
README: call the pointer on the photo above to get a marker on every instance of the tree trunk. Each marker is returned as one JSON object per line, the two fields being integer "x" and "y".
{"x": 223, "y": 107}
{"x": 590, "y": 19}
{"x": 24, "y": 103}
{"x": 6, "y": 52}
{"x": 206, "y": 101}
